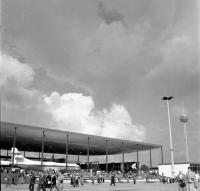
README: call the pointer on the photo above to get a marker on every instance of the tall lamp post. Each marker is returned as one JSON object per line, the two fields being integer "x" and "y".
{"x": 170, "y": 135}
{"x": 184, "y": 119}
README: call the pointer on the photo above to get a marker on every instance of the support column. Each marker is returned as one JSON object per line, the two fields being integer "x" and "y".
{"x": 150, "y": 158}
{"x": 42, "y": 152}
{"x": 39, "y": 155}
{"x": 7, "y": 153}
{"x": 138, "y": 166}
{"x": 161, "y": 148}
{"x": 24, "y": 153}
{"x": 107, "y": 156}
{"x": 67, "y": 150}
{"x": 88, "y": 154}
{"x": 14, "y": 143}
{"x": 123, "y": 156}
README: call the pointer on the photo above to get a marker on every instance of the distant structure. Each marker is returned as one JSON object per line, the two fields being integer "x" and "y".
{"x": 184, "y": 119}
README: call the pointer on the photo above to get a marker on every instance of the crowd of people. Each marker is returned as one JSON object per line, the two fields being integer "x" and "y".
{"x": 189, "y": 181}
{"x": 50, "y": 179}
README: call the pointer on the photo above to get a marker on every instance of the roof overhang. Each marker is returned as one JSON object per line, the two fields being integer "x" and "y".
{"x": 29, "y": 138}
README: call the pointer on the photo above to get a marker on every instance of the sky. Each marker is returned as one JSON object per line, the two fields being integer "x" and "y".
{"x": 102, "y": 67}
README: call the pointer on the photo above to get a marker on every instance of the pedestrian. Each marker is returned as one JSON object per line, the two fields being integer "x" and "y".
{"x": 48, "y": 181}
{"x": 181, "y": 181}
{"x": 112, "y": 179}
{"x": 191, "y": 180}
{"x": 134, "y": 175}
{"x": 81, "y": 180}
{"x": 32, "y": 181}
{"x": 21, "y": 176}
{"x": 60, "y": 180}
{"x": 53, "y": 182}
{"x": 42, "y": 182}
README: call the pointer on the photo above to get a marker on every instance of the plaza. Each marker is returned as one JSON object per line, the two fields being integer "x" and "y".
{"x": 106, "y": 187}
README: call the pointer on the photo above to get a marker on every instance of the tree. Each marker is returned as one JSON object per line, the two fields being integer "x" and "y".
{"x": 144, "y": 168}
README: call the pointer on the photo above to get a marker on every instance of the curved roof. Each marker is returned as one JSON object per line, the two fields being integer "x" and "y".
{"x": 29, "y": 138}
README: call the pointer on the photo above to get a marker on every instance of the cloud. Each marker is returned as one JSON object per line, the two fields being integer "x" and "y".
{"x": 69, "y": 111}
{"x": 14, "y": 70}
{"x": 15, "y": 81}
{"x": 76, "y": 112}
{"x": 109, "y": 16}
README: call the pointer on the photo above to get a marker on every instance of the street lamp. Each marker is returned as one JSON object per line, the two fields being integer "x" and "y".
{"x": 184, "y": 119}
{"x": 170, "y": 135}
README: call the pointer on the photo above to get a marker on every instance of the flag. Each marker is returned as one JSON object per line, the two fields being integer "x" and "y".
{"x": 133, "y": 166}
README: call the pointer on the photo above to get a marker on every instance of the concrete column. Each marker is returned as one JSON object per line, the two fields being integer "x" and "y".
{"x": 107, "y": 156}
{"x": 88, "y": 154}
{"x": 67, "y": 150}
{"x": 24, "y": 153}
{"x": 42, "y": 152}
{"x": 138, "y": 166}
{"x": 150, "y": 157}
{"x": 123, "y": 156}
{"x": 161, "y": 148}
{"x": 14, "y": 143}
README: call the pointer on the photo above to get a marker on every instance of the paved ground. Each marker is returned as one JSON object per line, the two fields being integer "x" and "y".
{"x": 107, "y": 187}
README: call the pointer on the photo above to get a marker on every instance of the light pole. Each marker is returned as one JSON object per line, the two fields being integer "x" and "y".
{"x": 184, "y": 119}
{"x": 170, "y": 135}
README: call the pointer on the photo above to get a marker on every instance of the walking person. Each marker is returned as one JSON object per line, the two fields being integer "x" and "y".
{"x": 181, "y": 181}
{"x": 42, "y": 182}
{"x": 32, "y": 181}
{"x": 191, "y": 180}
{"x": 134, "y": 175}
{"x": 112, "y": 179}
{"x": 53, "y": 182}
{"x": 60, "y": 180}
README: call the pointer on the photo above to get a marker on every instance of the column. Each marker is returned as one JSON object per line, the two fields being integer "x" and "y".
{"x": 107, "y": 156}
{"x": 138, "y": 166}
{"x": 14, "y": 143}
{"x": 161, "y": 148}
{"x": 67, "y": 150}
{"x": 150, "y": 157}
{"x": 88, "y": 153}
{"x": 123, "y": 157}
{"x": 42, "y": 152}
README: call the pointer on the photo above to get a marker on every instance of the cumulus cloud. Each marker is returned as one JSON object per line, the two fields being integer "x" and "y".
{"x": 109, "y": 16}
{"x": 76, "y": 112}
{"x": 69, "y": 111}
{"x": 15, "y": 81}
{"x": 12, "y": 69}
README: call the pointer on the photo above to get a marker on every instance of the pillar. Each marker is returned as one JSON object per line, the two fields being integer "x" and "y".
{"x": 138, "y": 166}
{"x": 150, "y": 157}
{"x": 161, "y": 148}
{"x": 14, "y": 143}
{"x": 42, "y": 152}
{"x": 88, "y": 153}
{"x": 123, "y": 157}
{"x": 107, "y": 156}
{"x": 67, "y": 150}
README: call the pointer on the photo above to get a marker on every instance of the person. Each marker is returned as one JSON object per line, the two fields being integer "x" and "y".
{"x": 134, "y": 176}
{"x": 60, "y": 180}
{"x": 112, "y": 180}
{"x": 21, "y": 176}
{"x": 42, "y": 182}
{"x": 48, "y": 180}
{"x": 181, "y": 178}
{"x": 81, "y": 180}
{"x": 32, "y": 181}
{"x": 191, "y": 180}
{"x": 53, "y": 182}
